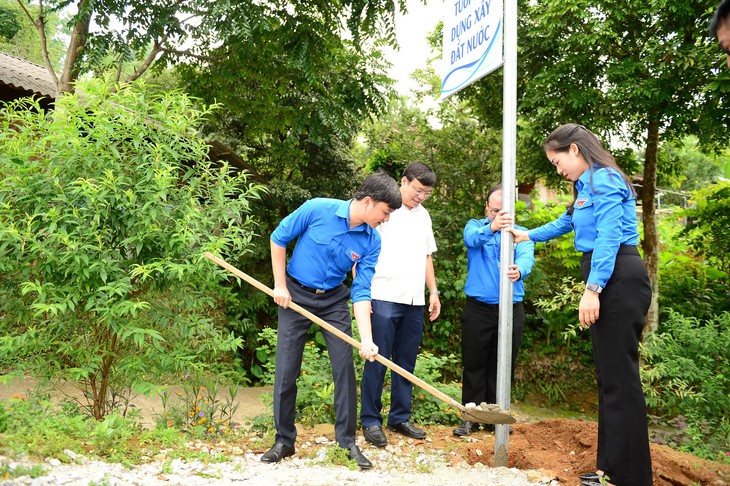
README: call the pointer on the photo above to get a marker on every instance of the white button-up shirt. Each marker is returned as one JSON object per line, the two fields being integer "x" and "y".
{"x": 406, "y": 240}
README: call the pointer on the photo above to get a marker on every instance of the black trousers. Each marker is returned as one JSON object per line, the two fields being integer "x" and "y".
{"x": 479, "y": 339}
{"x": 292, "y": 336}
{"x": 623, "y": 435}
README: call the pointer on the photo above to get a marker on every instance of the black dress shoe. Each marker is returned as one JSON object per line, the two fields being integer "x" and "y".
{"x": 357, "y": 456}
{"x": 408, "y": 429}
{"x": 277, "y": 452}
{"x": 466, "y": 428}
{"x": 375, "y": 435}
{"x": 590, "y": 476}
{"x": 590, "y": 483}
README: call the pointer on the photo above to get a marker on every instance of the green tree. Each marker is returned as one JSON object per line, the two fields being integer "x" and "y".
{"x": 708, "y": 223}
{"x": 683, "y": 166}
{"x": 105, "y": 211}
{"x": 19, "y": 37}
{"x": 111, "y": 34}
{"x": 466, "y": 161}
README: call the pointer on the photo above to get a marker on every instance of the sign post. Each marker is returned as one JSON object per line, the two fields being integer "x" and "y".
{"x": 506, "y": 288}
{"x": 472, "y": 48}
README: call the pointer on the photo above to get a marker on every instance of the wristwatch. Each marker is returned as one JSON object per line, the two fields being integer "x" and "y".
{"x": 594, "y": 288}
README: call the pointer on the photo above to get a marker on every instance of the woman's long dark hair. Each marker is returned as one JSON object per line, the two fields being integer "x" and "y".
{"x": 590, "y": 148}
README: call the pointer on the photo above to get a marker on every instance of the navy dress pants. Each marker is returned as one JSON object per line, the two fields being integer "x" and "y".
{"x": 623, "y": 435}
{"x": 397, "y": 331}
{"x": 292, "y": 336}
{"x": 479, "y": 340}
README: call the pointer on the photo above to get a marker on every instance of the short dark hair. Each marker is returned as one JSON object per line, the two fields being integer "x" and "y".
{"x": 722, "y": 14}
{"x": 494, "y": 189}
{"x": 381, "y": 188}
{"x": 420, "y": 171}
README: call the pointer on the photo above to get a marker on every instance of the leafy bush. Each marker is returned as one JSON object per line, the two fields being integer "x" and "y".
{"x": 686, "y": 371}
{"x": 427, "y": 409}
{"x": 708, "y": 223}
{"x": 106, "y": 207}
{"x": 688, "y": 281}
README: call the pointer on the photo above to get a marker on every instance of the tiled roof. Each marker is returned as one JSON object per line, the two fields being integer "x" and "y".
{"x": 25, "y": 75}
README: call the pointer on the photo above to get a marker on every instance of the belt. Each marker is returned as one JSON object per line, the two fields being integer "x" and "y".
{"x": 483, "y": 304}
{"x": 311, "y": 290}
{"x": 622, "y": 250}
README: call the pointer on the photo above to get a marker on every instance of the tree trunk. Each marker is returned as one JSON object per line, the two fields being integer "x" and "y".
{"x": 79, "y": 35}
{"x": 650, "y": 244}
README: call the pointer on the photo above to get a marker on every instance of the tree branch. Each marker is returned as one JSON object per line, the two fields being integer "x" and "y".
{"x": 40, "y": 26}
{"x": 178, "y": 52}
{"x": 156, "y": 48}
{"x": 75, "y": 48}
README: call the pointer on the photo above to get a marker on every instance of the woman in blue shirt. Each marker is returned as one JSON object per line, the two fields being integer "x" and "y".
{"x": 616, "y": 298}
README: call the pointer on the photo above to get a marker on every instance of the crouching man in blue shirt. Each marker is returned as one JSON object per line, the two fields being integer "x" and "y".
{"x": 334, "y": 236}
{"x": 480, "y": 317}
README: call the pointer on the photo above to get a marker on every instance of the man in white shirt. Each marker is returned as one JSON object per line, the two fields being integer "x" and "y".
{"x": 404, "y": 267}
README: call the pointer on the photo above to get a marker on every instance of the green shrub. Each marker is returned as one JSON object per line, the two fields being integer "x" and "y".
{"x": 106, "y": 207}
{"x": 427, "y": 409}
{"x": 686, "y": 372}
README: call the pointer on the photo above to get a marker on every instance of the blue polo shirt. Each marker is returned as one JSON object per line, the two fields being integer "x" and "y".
{"x": 604, "y": 218}
{"x": 483, "y": 252}
{"x": 327, "y": 248}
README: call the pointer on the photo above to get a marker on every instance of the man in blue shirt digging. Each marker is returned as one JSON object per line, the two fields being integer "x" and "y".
{"x": 333, "y": 237}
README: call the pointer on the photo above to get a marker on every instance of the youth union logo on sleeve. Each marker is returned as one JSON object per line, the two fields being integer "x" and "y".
{"x": 581, "y": 202}
{"x": 354, "y": 256}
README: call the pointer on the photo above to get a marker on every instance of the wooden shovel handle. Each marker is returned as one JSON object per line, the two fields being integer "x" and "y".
{"x": 329, "y": 327}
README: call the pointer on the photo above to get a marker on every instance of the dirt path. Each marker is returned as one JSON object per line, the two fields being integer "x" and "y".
{"x": 249, "y": 399}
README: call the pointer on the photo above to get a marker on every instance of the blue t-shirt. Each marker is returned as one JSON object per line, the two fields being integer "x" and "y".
{"x": 483, "y": 250}
{"x": 327, "y": 248}
{"x": 604, "y": 218}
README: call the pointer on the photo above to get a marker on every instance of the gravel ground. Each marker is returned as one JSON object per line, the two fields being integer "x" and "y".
{"x": 397, "y": 464}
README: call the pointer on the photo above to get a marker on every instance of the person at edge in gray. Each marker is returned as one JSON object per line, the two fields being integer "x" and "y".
{"x": 720, "y": 28}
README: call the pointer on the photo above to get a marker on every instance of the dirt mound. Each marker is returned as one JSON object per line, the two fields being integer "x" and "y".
{"x": 568, "y": 448}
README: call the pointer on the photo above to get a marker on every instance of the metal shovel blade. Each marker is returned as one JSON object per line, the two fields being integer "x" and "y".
{"x": 491, "y": 414}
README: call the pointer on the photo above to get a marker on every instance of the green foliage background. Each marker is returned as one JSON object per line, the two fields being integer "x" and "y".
{"x": 105, "y": 211}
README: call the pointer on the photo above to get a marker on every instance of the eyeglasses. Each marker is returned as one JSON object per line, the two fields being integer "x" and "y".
{"x": 494, "y": 211}
{"x": 421, "y": 192}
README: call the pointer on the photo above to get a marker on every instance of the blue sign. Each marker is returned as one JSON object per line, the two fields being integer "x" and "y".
{"x": 472, "y": 42}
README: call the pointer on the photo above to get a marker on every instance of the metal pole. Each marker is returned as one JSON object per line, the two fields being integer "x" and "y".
{"x": 509, "y": 163}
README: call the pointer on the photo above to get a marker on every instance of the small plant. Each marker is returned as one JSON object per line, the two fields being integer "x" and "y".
{"x": 685, "y": 374}
{"x": 340, "y": 457}
{"x": 34, "y": 471}
{"x": 560, "y": 312}
{"x": 198, "y": 410}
